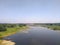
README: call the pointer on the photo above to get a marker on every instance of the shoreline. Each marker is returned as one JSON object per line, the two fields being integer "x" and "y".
{"x": 9, "y": 33}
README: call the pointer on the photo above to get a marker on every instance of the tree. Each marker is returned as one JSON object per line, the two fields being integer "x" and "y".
{"x": 2, "y": 28}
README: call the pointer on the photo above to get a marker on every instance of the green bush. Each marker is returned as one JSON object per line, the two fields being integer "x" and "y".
{"x": 2, "y": 28}
{"x": 20, "y": 25}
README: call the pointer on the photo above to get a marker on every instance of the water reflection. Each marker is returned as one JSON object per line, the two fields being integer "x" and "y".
{"x": 36, "y": 36}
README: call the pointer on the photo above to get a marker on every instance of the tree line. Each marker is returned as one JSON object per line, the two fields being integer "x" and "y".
{"x": 3, "y": 27}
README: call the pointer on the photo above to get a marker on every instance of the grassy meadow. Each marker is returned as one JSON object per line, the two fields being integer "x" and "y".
{"x": 9, "y": 29}
{"x": 52, "y": 26}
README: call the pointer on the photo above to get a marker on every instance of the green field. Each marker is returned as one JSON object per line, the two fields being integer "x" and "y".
{"x": 9, "y": 29}
{"x": 52, "y": 26}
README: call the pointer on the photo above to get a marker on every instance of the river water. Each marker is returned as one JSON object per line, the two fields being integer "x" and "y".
{"x": 36, "y": 36}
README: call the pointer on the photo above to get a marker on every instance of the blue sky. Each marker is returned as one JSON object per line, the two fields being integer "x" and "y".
{"x": 29, "y": 11}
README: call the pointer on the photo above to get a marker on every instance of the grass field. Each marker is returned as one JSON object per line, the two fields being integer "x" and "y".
{"x": 53, "y": 27}
{"x": 10, "y": 31}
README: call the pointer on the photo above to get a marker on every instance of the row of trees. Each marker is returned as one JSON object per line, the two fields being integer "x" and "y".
{"x": 3, "y": 27}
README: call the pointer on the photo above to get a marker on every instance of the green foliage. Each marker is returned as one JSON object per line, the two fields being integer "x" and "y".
{"x": 11, "y": 25}
{"x": 56, "y": 27}
{"x": 20, "y": 25}
{"x": 2, "y": 28}
{"x": 8, "y": 29}
{"x": 52, "y": 26}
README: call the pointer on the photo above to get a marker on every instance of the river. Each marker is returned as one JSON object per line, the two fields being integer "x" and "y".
{"x": 36, "y": 36}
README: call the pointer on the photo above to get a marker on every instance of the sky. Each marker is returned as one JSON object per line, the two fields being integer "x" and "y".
{"x": 29, "y": 11}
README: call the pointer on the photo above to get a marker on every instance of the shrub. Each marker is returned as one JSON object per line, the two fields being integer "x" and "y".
{"x": 2, "y": 28}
